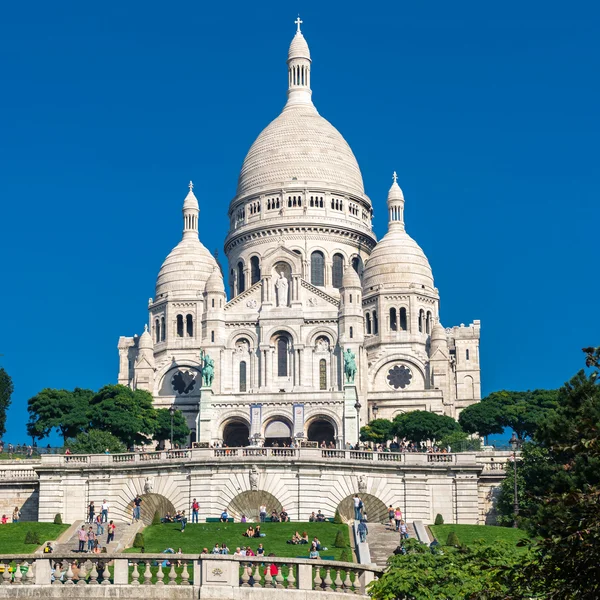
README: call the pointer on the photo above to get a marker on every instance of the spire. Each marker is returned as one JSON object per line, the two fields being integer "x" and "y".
{"x": 298, "y": 62}
{"x": 395, "y": 204}
{"x": 191, "y": 210}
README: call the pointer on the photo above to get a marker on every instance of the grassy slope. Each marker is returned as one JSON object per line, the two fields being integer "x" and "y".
{"x": 197, "y": 536}
{"x": 12, "y": 536}
{"x": 468, "y": 534}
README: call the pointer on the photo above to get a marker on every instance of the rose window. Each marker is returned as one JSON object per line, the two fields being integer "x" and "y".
{"x": 183, "y": 382}
{"x": 399, "y": 377}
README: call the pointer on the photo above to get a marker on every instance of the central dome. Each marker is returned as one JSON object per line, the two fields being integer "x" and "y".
{"x": 298, "y": 147}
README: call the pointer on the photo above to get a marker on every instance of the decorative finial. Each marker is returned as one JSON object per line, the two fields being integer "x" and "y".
{"x": 298, "y": 22}
{"x": 191, "y": 185}
{"x": 146, "y": 328}
{"x": 395, "y": 176}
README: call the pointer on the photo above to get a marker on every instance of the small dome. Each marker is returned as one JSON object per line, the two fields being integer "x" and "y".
{"x": 395, "y": 192}
{"x": 397, "y": 261}
{"x": 438, "y": 333}
{"x": 145, "y": 341}
{"x": 190, "y": 200}
{"x": 298, "y": 47}
{"x": 350, "y": 278}
{"x": 186, "y": 269}
{"x": 215, "y": 282}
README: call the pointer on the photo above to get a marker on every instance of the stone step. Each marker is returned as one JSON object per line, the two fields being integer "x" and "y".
{"x": 124, "y": 533}
{"x": 383, "y": 540}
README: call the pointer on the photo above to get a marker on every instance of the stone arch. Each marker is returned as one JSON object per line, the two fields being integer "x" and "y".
{"x": 234, "y": 428}
{"x": 242, "y": 333}
{"x": 279, "y": 427}
{"x": 375, "y": 368}
{"x": 248, "y": 503}
{"x": 321, "y": 428}
{"x": 321, "y": 331}
{"x": 152, "y": 503}
{"x": 274, "y": 332}
{"x": 374, "y": 508}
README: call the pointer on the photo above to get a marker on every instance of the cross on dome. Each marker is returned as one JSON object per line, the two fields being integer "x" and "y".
{"x": 395, "y": 176}
{"x": 191, "y": 185}
{"x": 298, "y": 22}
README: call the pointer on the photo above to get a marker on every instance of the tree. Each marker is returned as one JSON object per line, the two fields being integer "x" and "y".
{"x": 162, "y": 432}
{"x": 459, "y": 441}
{"x": 63, "y": 410}
{"x": 128, "y": 414}
{"x": 6, "y": 390}
{"x": 378, "y": 431}
{"x": 95, "y": 442}
{"x": 484, "y": 418}
{"x": 422, "y": 425}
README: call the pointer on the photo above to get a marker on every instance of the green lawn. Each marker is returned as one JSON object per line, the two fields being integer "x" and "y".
{"x": 468, "y": 534}
{"x": 12, "y": 536}
{"x": 205, "y": 535}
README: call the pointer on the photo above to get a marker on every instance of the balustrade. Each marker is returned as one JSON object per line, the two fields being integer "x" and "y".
{"x": 440, "y": 458}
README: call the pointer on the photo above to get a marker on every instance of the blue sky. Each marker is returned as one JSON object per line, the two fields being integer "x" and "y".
{"x": 487, "y": 111}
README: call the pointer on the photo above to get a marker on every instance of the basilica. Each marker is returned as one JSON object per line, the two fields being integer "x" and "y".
{"x": 315, "y": 328}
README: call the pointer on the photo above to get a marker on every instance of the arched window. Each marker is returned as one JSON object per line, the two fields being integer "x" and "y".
{"x": 338, "y": 270}
{"x": 322, "y": 374}
{"x": 467, "y": 354}
{"x": 351, "y": 332}
{"x": 189, "y": 325}
{"x": 356, "y": 263}
{"x": 240, "y": 277}
{"x": 317, "y": 268}
{"x": 350, "y": 298}
{"x": 421, "y": 320}
{"x": 254, "y": 270}
{"x": 403, "y": 319}
{"x": 282, "y": 357}
{"x": 375, "y": 323}
{"x": 368, "y": 323}
{"x": 179, "y": 325}
{"x": 243, "y": 376}
{"x": 157, "y": 330}
{"x": 213, "y": 303}
{"x": 162, "y": 329}
{"x": 393, "y": 320}
{"x": 428, "y": 322}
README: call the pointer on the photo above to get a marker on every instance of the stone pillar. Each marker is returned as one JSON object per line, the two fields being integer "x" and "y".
{"x": 417, "y": 498}
{"x": 466, "y": 499}
{"x": 351, "y": 425}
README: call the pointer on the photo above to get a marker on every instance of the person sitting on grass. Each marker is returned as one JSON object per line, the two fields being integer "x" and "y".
{"x": 249, "y": 552}
{"x": 249, "y": 532}
{"x": 224, "y": 548}
{"x": 304, "y": 538}
{"x": 284, "y": 517}
{"x": 312, "y": 518}
{"x": 243, "y": 519}
{"x": 4, "y": 520}
{"x": 178, "y": 516}
{"x": 260, "y": 551}
{"x": 314, "y": 552}
{"x": 317, "y": 544}
{"x": 295, "y": 539}
{"x": 274, "y": 517}
{"x": 320, "y": 517}
{"x": 224, "y": 516}
{"x": 167, "y": 518}
{"x": 204, "y": 551}
{"x": 258, "y": 533}
{"x": 216, "y": 549}
{"x": 238, "y": 552}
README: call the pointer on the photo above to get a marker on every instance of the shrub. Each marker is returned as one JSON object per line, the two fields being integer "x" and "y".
{"x": 453, "y": 540}
{"x": 58, "y": 519}
{"x": 138, "y": 541}
{"x": 337, "y": 518}
{"x": 340, "y": 540}
{"x": 346, "y": 556}
{"x": 439, "y": 520}
{"x": 156, "y": 519}
{"x": 32, "y": 537}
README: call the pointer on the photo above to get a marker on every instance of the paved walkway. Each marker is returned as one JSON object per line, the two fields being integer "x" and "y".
{"x": 123, "y": 531}
{"x": 383, "y": 541}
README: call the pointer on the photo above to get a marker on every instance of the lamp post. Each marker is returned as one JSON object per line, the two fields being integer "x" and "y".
{"x": 515, "y": 443}
{"x": 357, "y": 406}
{"x": 172, "y": 413}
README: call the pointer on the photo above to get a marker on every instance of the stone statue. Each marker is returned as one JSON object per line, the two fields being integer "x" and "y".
{"x": 362, "y": 484}
{"x": 148, "y": 486}
{"x": 281, "y": 286}
{"x": 349, "y": 365}
{"x": 208, "y": 369}
{"x": 254, "y": 478}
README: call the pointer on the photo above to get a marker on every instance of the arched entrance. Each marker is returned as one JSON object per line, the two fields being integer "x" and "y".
{"x": 152, "y": 503}
{"x": 321, "y": 430}
{"x": 248, "y": 503}
{"x": 278, "y": 433}
{"x": 236, "y": 434}
{"x": 374, "y": 508}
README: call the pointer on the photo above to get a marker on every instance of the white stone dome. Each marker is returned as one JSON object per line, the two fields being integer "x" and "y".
{"x": 300, "y": 146}
{"x": 298, "y": 47}
{"x": 186, "y": 269}
{"x": 397, "y": 261}
{"x": 215, "y": 282}
{"x": 145, "y": 341}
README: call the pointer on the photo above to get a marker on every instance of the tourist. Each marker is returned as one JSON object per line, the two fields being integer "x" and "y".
{"x": 243, "y": 519}
{"x": 238, "y": 552}
{"x": 262, "y": 512}
{"x": 48, "y": 548}
{"x": 16, "y": 516}
{"x": 397, "y": 517}
{"x": 91, "y": 537}
{"x": 260, "y": 551}
{"x": 357, "y": 507}
{"x": 111, "y": 533}
{"x": 195, "y": 509}
{"x": 274, "y": 516}
{"x": 224, "y": 516}
{"x": 91, "y": 512}
{"x": 216, "y": 549}
{"x": 204, "y": 551}
{"x": 362, "y": 531}
{"x": 320, "y": 517}
{"x": 4, "y": 520}
{"x": 249, "y": 551}
{"x": 249, "y": 532}
{"x": 137, "y": 507}
{"x": 272, "y": 569}
{"x": 403, "y": 530}
{"x": 316, "y": 543}
{"x": 314, "y": 552}
{"x": 179, "y": 553}
{"x": 99, "y": 525}
{"x": 82, "y": 535}
{"x": 312, "y": 518}
{"x": 391, "y": 516}
{"x": 183, "y": 520}
{"x": 96, "y": 549}
{"x": 304, "y": 538}
{"x": 224, "y": 548}
{"x": 295, "y": 539}
{"x": 284, "y": 517}
{"x": 258, "y": 533}
{"x": 104, "y": 508}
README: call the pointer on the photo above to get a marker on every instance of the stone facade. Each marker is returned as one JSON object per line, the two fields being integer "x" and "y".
{"x": 307, "y": 281}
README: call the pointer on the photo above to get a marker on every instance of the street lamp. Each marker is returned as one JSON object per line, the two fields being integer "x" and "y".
{"x": 357, "y": 407}
{"x": 172, "y": 413}
{"x": 515, "y": 443}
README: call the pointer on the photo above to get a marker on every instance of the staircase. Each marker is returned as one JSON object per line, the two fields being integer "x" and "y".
{"x": 123, "y": 536}
{"x": 383, "y": 541}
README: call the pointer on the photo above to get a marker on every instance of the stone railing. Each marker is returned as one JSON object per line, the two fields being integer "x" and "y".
{"x": 185, "y": 570}
{"x": 18, "y": 474}
{"x": 486, "y": 461}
